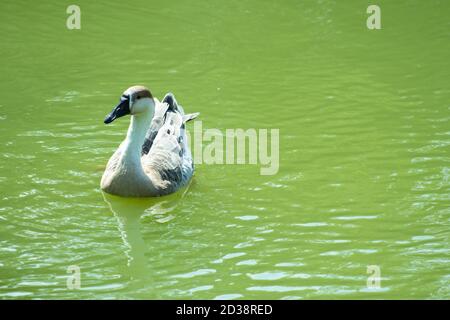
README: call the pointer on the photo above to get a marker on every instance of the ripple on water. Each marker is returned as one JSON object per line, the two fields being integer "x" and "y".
{"x": 16, "y": 294}
{"x": 311, "y": 224}
{"x": 37, "y": 284}
{"x": 268, "y": 275}
{"x": 247, "y": 218}
{"x": 106, "y": 287}
{"x": 422, "y": 238}
{"x": 249, "y": 262}
{"x": 191, "y": 291}
{"x": 348, "y": 253}
{"x": 233, "y": 255}
{"x": 355, "y": 217}
{"x": 301, "y": 276}
{"x": 229, "y": 296}
{"x": 196, "y": 273}
{"x": 282, "y": 288}
{"x": 290, "y": 264}
{"x": 244, "y": 245}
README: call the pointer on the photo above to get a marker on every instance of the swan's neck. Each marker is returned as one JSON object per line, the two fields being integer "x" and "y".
{"x": 135, "y": 137}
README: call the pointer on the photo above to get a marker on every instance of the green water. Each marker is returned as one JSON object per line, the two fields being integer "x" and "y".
{"x": 364, "y": 150}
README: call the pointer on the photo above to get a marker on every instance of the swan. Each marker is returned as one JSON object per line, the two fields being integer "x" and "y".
{"x": 154, "y": 159}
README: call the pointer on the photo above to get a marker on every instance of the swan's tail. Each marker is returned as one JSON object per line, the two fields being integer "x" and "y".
{"x": 180, "y": 130}
{"x": 174, "y": 106}
{"x": 169, "y": 117}
{"x": 190, "y": 116}
{"x": 169, "y": 98}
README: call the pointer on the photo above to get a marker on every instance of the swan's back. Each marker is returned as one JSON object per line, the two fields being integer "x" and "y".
{"x": 166, "y": 157}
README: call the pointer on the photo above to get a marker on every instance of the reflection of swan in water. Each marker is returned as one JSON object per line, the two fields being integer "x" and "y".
{"x": 130, "y": 212}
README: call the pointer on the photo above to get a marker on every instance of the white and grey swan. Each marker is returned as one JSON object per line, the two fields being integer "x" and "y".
{"x": 154, "y": 159}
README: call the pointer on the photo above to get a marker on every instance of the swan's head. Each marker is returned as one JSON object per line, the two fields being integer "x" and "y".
{"x": 135, "y": 100}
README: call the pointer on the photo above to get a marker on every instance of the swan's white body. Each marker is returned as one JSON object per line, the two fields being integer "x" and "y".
{"x": 154, "y": 159}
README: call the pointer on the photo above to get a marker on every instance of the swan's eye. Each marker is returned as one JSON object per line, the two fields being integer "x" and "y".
{"x": 138, "y": 97}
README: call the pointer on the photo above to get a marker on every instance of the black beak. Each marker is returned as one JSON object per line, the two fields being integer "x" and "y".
{"x": 122, "y": 109}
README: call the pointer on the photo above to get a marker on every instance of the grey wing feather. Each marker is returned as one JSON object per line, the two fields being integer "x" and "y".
{"x": 156, "y": 124}
{"x": 165, "y": 157}
{"x": 167, "y": 105}
{"x": 165, "y": 148}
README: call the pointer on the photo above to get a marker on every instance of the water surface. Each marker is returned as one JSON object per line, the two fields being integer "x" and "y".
{"x": 364, "y": 150}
